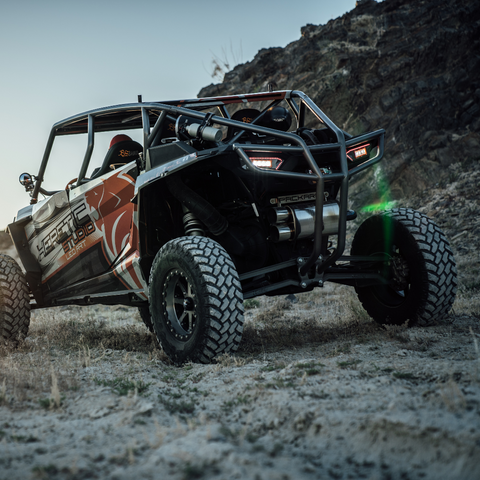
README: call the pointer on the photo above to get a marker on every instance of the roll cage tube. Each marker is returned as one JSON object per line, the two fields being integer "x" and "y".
{"x": 115, "y": 118}
{"x": 39, "y": 179}
{"x": 238, "y": 135}
{"x": 48, "y": 149}
{"x": 88, "y": 153}
{"x": 76, "y": 124}
{"x": 342, "y": 221}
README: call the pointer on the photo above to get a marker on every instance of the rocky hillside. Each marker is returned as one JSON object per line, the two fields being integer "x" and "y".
{"x": 411, "y": 67}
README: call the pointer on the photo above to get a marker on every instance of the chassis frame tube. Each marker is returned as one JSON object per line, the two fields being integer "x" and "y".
{"x": 342, "y": 221}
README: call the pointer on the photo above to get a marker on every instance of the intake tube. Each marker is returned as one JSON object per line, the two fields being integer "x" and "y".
{"x": 208, "y": 215}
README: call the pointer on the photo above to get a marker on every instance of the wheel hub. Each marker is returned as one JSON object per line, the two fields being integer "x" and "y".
{"x": 400, "y": 273}
{"x": 188, "y": 304}
{"x": 179, "y": 304}
{"x": 397, "y": 272}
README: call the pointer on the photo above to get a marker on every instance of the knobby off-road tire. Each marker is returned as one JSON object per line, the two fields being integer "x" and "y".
{"x": 196, "y": 300}
{"x": 14, "y": 302}
{"x": 421, "y": 266}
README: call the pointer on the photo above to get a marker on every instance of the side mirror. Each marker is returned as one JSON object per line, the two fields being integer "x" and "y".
{"x": 27, "y": 181}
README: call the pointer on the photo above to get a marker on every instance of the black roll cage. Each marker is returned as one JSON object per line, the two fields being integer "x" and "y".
{"x": 143, "y": 115}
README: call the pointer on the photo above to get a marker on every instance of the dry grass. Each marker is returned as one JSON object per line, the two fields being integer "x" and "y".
{"x": 334, "y": 315}
{"x": 61, "y": 343}
{"x": 319, "y": 317}
{"x": 64, "y": 342}
{"x": 77, "y": 328}
{"x": 468, "y": 303}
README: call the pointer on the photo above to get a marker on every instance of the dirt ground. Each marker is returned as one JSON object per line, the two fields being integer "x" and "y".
{"x": 316, "y": 390}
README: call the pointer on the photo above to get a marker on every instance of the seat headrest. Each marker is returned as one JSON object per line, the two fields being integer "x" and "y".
{"x": 121, "y": 151}
{"x": 278, "y": 118}
{"x": 119, "y": 138}
{"x": 127, "y": 150}
{"x": 246, "y": 115}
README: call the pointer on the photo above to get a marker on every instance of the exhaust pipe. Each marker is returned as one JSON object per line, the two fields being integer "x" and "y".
{"x": 298, "y": 221}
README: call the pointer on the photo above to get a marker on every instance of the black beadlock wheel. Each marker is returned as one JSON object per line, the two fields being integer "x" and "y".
{"x": 421, "y": 269}
{"x": 196, "y": 300}
{"x": 14, "y": 302}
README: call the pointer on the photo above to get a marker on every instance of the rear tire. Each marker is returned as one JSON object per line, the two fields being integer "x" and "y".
{"x": 14, "y": 302}
{"x": 422, "y": 269}
{"x": 196, "y": 300}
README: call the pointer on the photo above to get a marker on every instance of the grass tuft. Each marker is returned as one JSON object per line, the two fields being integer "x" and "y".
{"x": 123, "y": 387}
{"x": 181, "y": 406}
{"x": 349, "y": 363}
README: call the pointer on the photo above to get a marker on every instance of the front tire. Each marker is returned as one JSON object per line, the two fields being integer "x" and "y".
{"x": 196, "y": 300}
{"x": 421, "y": 269}
{"x": 14, "y": 302}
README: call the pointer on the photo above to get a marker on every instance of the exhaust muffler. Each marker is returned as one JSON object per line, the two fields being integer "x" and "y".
{"x": 298, "y": 221}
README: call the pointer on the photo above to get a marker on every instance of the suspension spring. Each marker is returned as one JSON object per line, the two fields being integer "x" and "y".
{"x": 192, "y": 225}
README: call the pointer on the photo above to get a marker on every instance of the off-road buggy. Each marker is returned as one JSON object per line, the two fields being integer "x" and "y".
{"x": 228, "y": 198}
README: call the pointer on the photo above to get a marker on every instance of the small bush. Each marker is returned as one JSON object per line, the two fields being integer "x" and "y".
{"x": 250, "y": 303}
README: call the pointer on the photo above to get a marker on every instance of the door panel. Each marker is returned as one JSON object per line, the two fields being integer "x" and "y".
{"x": 92, "y": 234}
{"x": 52, "y": 221}
{"x": 115, "y": 218}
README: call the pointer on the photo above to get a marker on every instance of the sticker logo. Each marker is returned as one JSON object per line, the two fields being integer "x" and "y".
{"x": 78, "y": 237}
{"x": 302, "y": 197}
{"x": 127, "y": 153}
{"x": 69, "y": 231}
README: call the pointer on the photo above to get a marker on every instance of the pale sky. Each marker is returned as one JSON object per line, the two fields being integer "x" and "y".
{"x": 62, "y": 57}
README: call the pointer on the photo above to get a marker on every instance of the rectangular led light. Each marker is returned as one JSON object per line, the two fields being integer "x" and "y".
{"x": 361, "y": 152}
{"x": 262, "y": 163}
{"x": 358, "y": 152}
{"x": 266, "y": 162}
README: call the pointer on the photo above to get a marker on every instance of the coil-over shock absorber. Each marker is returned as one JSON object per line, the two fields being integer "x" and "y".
{"x": 192, "y": 225}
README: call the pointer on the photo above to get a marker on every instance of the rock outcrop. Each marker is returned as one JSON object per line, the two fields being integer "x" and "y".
{"x": 411, "y": 67}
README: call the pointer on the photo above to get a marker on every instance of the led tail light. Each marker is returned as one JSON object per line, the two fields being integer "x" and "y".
{"x": 358, "y": 153}
{"x": 267, "y": 162}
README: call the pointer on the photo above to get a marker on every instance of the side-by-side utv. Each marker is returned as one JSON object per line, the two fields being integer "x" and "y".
{"x": 222, "y": 200}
